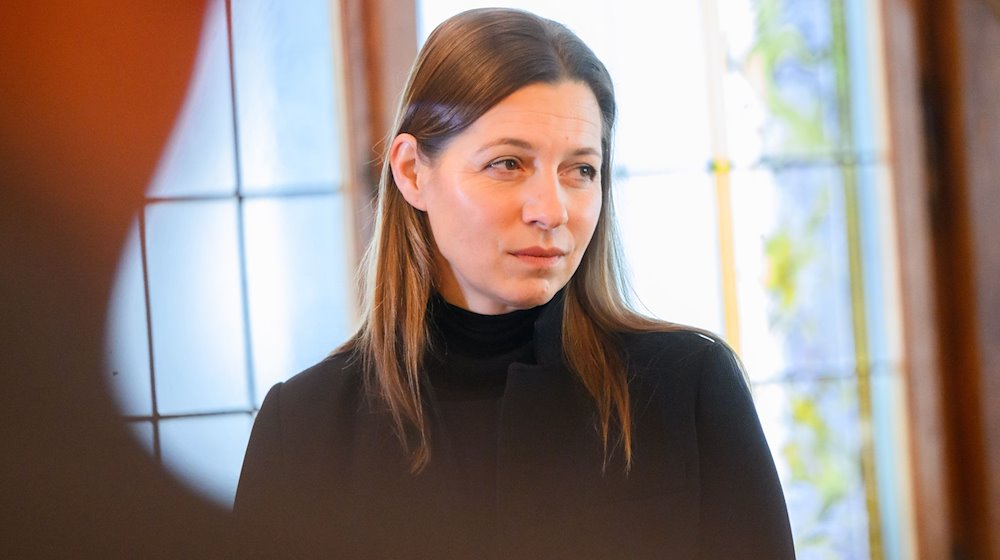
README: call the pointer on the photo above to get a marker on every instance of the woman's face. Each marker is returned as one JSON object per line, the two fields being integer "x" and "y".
{"x": 513, "y": 200}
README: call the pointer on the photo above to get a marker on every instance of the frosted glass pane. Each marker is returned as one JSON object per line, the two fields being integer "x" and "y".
{"x": 197, "y": 313}
{"x": 793, "y": 279}
{"x": 813, "y": 430}
{"x": 207, "y": 452}
{"x": 285, "y": 95}
{"x": 669, "y": 230}
{"x": 127, "y": 342}
{"x": 299, "y": 282}
{"x": 199, "y": 158}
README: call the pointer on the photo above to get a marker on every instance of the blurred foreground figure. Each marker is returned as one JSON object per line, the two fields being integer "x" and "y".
{"x": 89, "y": 92}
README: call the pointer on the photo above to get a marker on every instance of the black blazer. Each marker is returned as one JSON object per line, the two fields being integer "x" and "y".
{"x": 324, "y": 474}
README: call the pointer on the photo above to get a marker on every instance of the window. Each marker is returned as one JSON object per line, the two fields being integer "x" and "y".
{"x": 238, "y": 272}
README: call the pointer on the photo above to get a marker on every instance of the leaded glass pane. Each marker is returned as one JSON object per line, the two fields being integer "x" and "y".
{"x": 299, "y": 283}
{"x": 286, "y": 101}
{"x": 207, "y": 452}
{"x": 196, "y": 305}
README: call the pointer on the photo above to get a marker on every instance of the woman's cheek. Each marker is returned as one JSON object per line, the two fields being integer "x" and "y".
{"x": 591, "y": 213}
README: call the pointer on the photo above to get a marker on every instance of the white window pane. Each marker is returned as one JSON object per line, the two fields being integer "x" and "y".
{"x": 196, "y": 305}
{"x": 199, "y": 158}
{"x": 127, "y": 343}
{"x": 285, "y": 95}
{"x": 299, "y": 283}
{"x": 670, "y": 236}
{"x": 658, "y": 65}
{"x": 207, "y": 452}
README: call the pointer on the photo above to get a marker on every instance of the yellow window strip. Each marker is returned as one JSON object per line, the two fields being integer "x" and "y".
{"x": 721, "y": 170}
{"x": 727, "y": 252}
{"x": 856, "y": 270}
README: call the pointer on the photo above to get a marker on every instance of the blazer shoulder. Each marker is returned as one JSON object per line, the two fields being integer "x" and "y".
{"x": 679, "y": 356}
{"x": 677, "y": 346}
{"x": 335, "y": 380}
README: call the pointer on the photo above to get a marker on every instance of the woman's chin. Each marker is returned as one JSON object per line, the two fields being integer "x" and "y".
{"x": 532, "y": 298}
{"x": 506, "y": 299}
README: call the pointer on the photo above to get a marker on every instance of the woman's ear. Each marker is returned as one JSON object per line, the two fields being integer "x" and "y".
{"x": 404, "y": 160}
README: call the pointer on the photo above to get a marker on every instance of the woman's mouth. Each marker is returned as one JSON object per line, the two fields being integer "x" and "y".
{"x": 539, "y": 256}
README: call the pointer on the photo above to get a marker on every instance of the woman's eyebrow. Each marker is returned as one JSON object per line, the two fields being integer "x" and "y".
{"x": 586, "y": 152}
{"x": 525, "y": 145}
{"x": 516, "y": 142}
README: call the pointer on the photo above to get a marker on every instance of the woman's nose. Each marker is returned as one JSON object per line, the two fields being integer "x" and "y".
{"x": 544, "y": 204}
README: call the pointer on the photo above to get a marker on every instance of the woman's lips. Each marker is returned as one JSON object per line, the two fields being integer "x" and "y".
{"x": 539, "y": 256}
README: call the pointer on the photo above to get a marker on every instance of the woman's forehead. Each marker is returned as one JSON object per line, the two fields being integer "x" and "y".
{"x": 540, "y": 114}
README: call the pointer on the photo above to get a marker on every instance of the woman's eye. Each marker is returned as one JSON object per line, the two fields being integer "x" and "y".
{"x": 588, "y": 171}
{"x": 505, "y": 164}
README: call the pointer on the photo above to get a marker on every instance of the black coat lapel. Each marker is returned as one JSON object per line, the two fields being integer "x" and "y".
{"x": 549, "y": 452}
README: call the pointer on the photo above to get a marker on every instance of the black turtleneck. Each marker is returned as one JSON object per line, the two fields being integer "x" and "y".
{"x": 471, "y": 352}
{"x": 467, "y": 368}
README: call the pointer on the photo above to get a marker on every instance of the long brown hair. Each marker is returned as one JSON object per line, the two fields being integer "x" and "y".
{"x": 470, "y": 63}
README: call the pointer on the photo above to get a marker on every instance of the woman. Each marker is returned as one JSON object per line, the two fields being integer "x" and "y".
{"x": 500, "y": 400}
